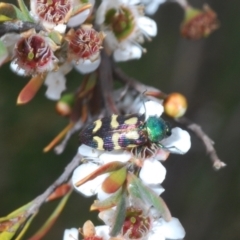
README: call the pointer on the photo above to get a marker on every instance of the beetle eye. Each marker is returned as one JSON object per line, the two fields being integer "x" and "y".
{"x": 169, "y": 132}
{"x": 168, "y": 129}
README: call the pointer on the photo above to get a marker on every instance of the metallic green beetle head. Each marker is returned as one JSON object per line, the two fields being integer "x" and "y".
{"x": 157, "y": 129}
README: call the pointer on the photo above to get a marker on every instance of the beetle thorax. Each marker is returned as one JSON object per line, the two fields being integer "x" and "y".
{"x": 156, "y": 129}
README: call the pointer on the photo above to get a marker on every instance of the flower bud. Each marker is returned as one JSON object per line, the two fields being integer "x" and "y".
{"x": 175, "y": 105}
{"x": 199, "y": 23}
{"x": 84, "y": 43}
{"x": 65, "y": 104}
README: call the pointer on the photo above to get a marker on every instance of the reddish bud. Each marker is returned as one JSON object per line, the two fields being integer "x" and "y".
{"x": 198, "y": 24}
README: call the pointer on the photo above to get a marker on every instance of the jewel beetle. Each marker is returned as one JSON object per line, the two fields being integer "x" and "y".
{"x": 125, "y": 132}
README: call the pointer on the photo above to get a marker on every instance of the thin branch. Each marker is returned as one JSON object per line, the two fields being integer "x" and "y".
{"x": 135, "y": 84}
{"x": 211, "y": 152}
{"x": 18, "y": 27}
{"x": 196, "y": 129}
{"x": 106, "y": 83}
{"x": 38, "y": 201}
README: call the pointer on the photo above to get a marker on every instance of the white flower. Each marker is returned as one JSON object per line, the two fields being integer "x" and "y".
{"x": 52, "y": 14}
{"x": 151, "y": 6}
{"x": 153, "y": 227}
{"x": 125, "y": 28}
{"x": 34, "y": 54}
{"x": 179, "y": 142}
{"x": 56, "y": 82}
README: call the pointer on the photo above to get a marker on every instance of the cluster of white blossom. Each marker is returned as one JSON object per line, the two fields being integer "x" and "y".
{"x": 122, "y": 23}
{"x": 152, "y": 173}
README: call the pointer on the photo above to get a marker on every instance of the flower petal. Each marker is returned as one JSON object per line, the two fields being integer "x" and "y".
{"x": 122, "y": 156}
{"x": 16, "y": 69}
{"x": 78, "y": 19}
{"x": 87, "y": 151}
{"x": 70, "y": 234}
{"x": 127, "y": 52}
{"x": 152, "y": 172}
{"x": 148, "y": 26}
{"x": 179, "y": 142}
{"x": 56, "y": 84}
{"x": 151, "y": 108}
{"x": 172, "y": 229}
{"x": 87, "y": 66}
{"x": 89, "y": 188}
{"x": 103, "y": 231}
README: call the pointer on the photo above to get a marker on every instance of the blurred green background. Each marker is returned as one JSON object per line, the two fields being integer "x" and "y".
{"x": 206, "y": 71}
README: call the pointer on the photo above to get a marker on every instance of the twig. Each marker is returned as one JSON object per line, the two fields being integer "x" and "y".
{"x": 211, "y": 152}
{"x": 38, "y": 201}
{"x": 196, "y": 129}
{"x": 134, "y": 83}
{"x": 106, "y": 83}
{"x": 18, "y": 27}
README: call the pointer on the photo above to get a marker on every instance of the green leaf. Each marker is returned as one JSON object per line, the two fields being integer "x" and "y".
{"x": 114, "y": 181}
{"x": 4, "y": 18}
{"x": 25, "y": 11}
{"x": 51, "y": 220}
{"x": 107, "y": 203}
{"x": 3, "y": 52}
{"x": 143, "y": 192}
{"x": 16, "y": 223}
{"x": 25, "y": 227}
{"x": 10, "y": 12}
{"x": 120, "y": 215}
{"x": 56, "y": 37}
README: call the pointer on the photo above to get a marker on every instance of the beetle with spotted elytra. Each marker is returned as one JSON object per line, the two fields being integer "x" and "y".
{"x": 130, "y": 132}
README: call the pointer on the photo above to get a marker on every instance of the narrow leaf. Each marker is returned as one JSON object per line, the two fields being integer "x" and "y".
{"x": 26, "y": 226}
{"x": 51, "y": 220}
{"x": 119, "y": 216}
{"x": 109, "y": 167}
{"x": 148, "y": 195}
{"x": 25, "y": 10}
{"x": 30, "y": 89}
{"x": 106, "y": 203}
{"x": 17, "y": 212}
{"x": 15, "y": 223}
{"x": 60, "y": 192}
{"x": 114, "y": 181}
{"x": 59, "y": 137}
{"x": 4, "y": 18}
{"x": 3, "y": 52}
{"x": 56, "y": 37}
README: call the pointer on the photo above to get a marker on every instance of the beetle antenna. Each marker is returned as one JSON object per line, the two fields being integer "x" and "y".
{"x": 142, "y": 99}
